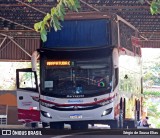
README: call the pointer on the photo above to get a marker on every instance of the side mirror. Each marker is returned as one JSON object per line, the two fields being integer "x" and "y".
{"x": 115, "y": 56}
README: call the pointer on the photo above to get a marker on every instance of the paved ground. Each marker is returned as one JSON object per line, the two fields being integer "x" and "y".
{"x": 12, "y": 126}
{"x": 93, "y": 132}
{"x": 83, "y": 136}
{"x": 40, "y": 126}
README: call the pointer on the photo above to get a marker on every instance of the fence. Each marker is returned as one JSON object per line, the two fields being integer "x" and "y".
{"x": 3, "y": 114}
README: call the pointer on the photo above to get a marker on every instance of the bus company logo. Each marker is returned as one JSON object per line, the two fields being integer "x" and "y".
{"x": 50, "y": 99}
{"x": 75, "y": 101}
{"x": 26, "y": 103}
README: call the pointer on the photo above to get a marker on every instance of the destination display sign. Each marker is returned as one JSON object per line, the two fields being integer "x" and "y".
{"x": 58, "y": 63}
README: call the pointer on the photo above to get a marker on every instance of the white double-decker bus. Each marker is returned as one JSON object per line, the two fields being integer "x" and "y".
{"x": 89, "y": 74}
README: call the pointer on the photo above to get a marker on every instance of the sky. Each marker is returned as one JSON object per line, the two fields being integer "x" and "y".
{"x": 150, "y": 53}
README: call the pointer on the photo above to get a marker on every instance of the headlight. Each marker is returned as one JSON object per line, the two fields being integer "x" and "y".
{"x": 46, "y": 114}
{"x": 46, "y": 104}
{"x": 107, "y": 111}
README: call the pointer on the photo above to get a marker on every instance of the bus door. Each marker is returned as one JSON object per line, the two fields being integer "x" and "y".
{"x": 27, "y": 95}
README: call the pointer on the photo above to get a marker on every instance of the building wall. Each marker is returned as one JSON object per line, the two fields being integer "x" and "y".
{"x": 9, "y": 99}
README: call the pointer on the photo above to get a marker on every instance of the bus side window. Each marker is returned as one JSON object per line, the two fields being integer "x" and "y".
{"x": 26, "y": 79}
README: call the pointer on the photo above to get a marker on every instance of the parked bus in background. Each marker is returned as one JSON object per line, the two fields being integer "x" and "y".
{"x": 90, "y": 73}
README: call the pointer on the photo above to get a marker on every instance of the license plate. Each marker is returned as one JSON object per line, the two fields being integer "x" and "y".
{"x": 75, "y": 116}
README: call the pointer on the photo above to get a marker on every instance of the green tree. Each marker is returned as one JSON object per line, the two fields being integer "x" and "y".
{"x": 154, "y": 5}
{"x": 151, "y": 67}
{"x": 153, "y": 111}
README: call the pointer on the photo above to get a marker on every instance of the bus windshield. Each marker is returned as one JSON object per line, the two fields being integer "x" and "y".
{"x": 81, "y": 73}
{"x": 80, "y": 77}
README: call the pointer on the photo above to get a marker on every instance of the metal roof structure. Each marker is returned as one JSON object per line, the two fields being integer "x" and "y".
{"x": 17, "y": 17}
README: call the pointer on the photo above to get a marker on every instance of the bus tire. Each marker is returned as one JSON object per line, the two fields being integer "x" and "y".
{"x": 113, "y": 124}
{"x": 44, "y": 125}
{"x": 34, "y": 125}
{"x": 56, "y": 125}
{"x": 79, "y": 126}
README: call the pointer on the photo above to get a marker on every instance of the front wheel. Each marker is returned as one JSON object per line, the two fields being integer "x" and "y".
{"x": 56, "y": 125}
{"x": 44, "y": 125}
{"x": 113, "y": 124}
{"x": 79, "y": 126}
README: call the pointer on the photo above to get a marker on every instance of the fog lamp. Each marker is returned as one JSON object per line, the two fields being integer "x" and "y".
{"x": 46, "y": 114}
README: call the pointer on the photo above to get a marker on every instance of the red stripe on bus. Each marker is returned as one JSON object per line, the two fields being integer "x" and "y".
{"x": 28, "y": 115}
{"x": 85, "y": 104}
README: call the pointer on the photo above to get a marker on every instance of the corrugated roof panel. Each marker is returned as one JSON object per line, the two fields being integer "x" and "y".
{"x": 13, "y": 52}
{"x": 150, "y": 44}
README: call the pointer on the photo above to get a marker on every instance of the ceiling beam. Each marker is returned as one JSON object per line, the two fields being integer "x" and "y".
{"x": 89, "y": 5}
{"x": 139, "y": 16}
{"x": 31, "y": 7}
{"x": 11, "y": 38}
{"x": 121, "y": 7}
{"x": 17, "y": 23}
{"x": 158, "y": 33}
{"x": 23, "y": 5}
{"x": 3, "y": 41}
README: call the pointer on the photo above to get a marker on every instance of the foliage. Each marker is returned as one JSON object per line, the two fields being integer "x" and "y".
{"x": 151, "y": 76}
{"x": 152, "y": 93}
{"x": 56, "y": 15}
{"x": 154, "y": 5}
{"x": 153, "y": 111}
{"x": 151, "y": 67}
{"x": 8, "y": 74}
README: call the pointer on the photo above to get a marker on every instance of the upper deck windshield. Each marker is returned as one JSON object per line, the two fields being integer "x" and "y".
{"x": 83, "y": 76}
